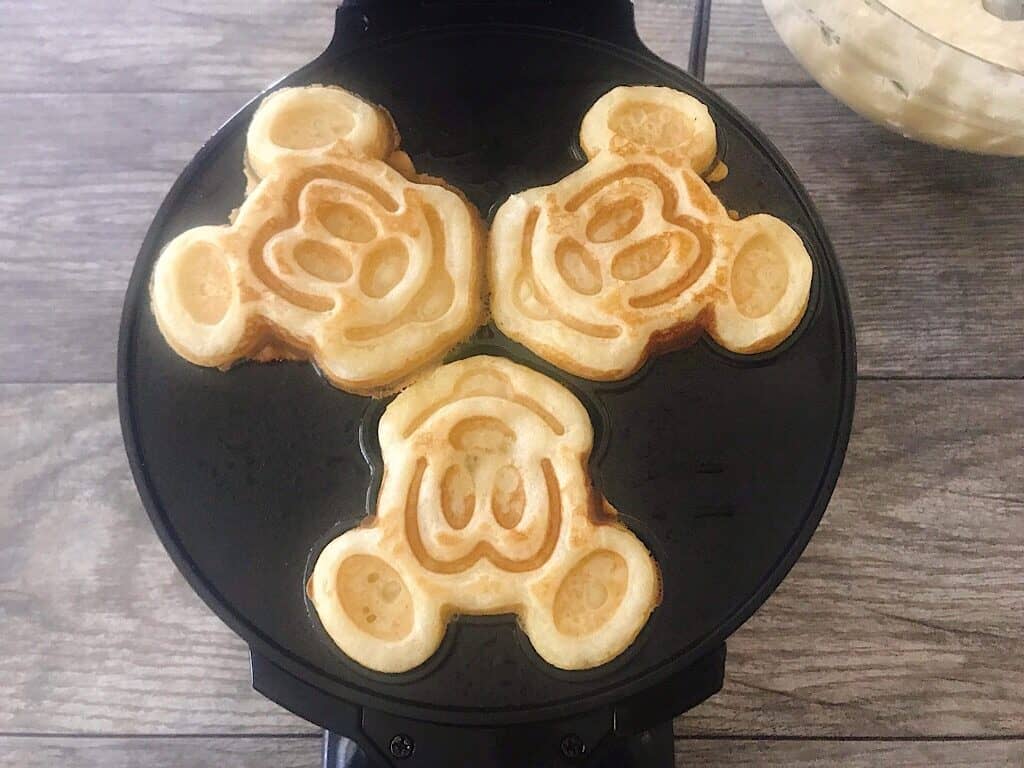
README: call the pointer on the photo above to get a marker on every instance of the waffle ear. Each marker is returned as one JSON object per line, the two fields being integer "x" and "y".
{"x": 375, "y": 611}
{"x": 654, "y": 121}
{"x": 593, "y": 605}
{"x": 298, "y": 122}
{"x": 196, "y": 297}
{"x": 768, "y": 285}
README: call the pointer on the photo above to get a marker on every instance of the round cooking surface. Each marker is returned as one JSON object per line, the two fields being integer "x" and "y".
{"x": 722, "y": 465}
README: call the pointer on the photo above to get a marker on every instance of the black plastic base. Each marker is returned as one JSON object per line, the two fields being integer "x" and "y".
{"x": 634, "y": 733}
{"x": 489, "y": 96}
{"x": 618, "y": 738}
{"x": 650, "y": 749}
{"x": 688, "y": 449}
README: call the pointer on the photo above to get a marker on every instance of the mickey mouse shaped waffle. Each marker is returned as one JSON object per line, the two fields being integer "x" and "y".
{"x": 485, "y": 507}
{"x": 334, "y": 255}
{"x": 633, "y": 253}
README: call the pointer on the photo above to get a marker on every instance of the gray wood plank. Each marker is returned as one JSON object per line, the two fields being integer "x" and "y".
{"x": 904, "y": 614}
{"x": 203, "y": 45}
{"x": 665, "y": 26}
{"x": 743, "y": 48}
{"x": 230, "y": 45}
{"x": 73, "y": 215}
{"x": 931, "y": 241}
{"x": 304, "y": 752}
{"x": 902, "y": 618}
{"x": 157, "y": 752}
{"x": 100, "y": 632}
{"x": 137, "y": 45}
{"x": 740, "y": 753}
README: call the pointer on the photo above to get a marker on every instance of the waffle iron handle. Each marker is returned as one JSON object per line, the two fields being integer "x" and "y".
{"x": 362, "y": 21}
{"x": 344, "y": 743}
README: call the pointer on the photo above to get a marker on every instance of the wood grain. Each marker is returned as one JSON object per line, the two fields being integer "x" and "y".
{"x": 131, "y": 46}
{"x": 162, "y": 752}
{"x": 191, "y": 45}
{"x": 126, "y": 46}
{"x": 304, "y": 752}
{"x": 902, "y": 618}
{"x": 100, "y": 632}
{"x": 743, "y": 48}
{"x": 931, "y": 241}
{"x": 904, "y": 614}
{"x": 73, "y": 212}
{"x": 810, "y": 753}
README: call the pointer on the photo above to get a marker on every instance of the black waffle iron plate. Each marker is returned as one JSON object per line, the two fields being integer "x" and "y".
{"x": 722, "y": 465}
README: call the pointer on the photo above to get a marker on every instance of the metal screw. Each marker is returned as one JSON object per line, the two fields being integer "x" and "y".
{"x": 573, "y": 747}
{"x": 402, "y": 746}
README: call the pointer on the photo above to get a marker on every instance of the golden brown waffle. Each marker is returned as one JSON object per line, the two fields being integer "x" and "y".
{"x": 334, "y": 256}
{"x": 485, "y": 507}
{"x": 633, "y": 253}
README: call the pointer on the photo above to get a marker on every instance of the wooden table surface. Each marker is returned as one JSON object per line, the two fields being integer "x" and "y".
{"x": 898, "y": 638}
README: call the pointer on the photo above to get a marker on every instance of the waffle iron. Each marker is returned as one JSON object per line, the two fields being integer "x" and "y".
{"x": 723, "y": 465}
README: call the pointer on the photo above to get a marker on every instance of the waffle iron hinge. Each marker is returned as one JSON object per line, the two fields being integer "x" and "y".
{"x": 359, "y": 21}
{"x": 335, "y": 715}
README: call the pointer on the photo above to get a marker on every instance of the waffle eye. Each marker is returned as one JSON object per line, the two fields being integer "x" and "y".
{"x": 578, "y": 268}
{"x": 640, "y": 259}
{"x": 384, "y": 268}
{"x": 322, "y": 261}
{"x": 457, "y": 497}
{"x": 509, "y": 499}
{"x": 613, "y": 221}
{"x": 346, "y": 222}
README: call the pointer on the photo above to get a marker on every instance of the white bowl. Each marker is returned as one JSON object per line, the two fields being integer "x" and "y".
{"x": 916, "y": 83}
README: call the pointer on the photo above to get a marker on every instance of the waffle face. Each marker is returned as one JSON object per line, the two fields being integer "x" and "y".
{"x": 485, "y": 507}
{"x": 334, "y": 256}
{"x": 634, "y": 254}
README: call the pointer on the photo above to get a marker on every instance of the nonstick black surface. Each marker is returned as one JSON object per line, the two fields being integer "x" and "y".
{"x": 722, "y": 465}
